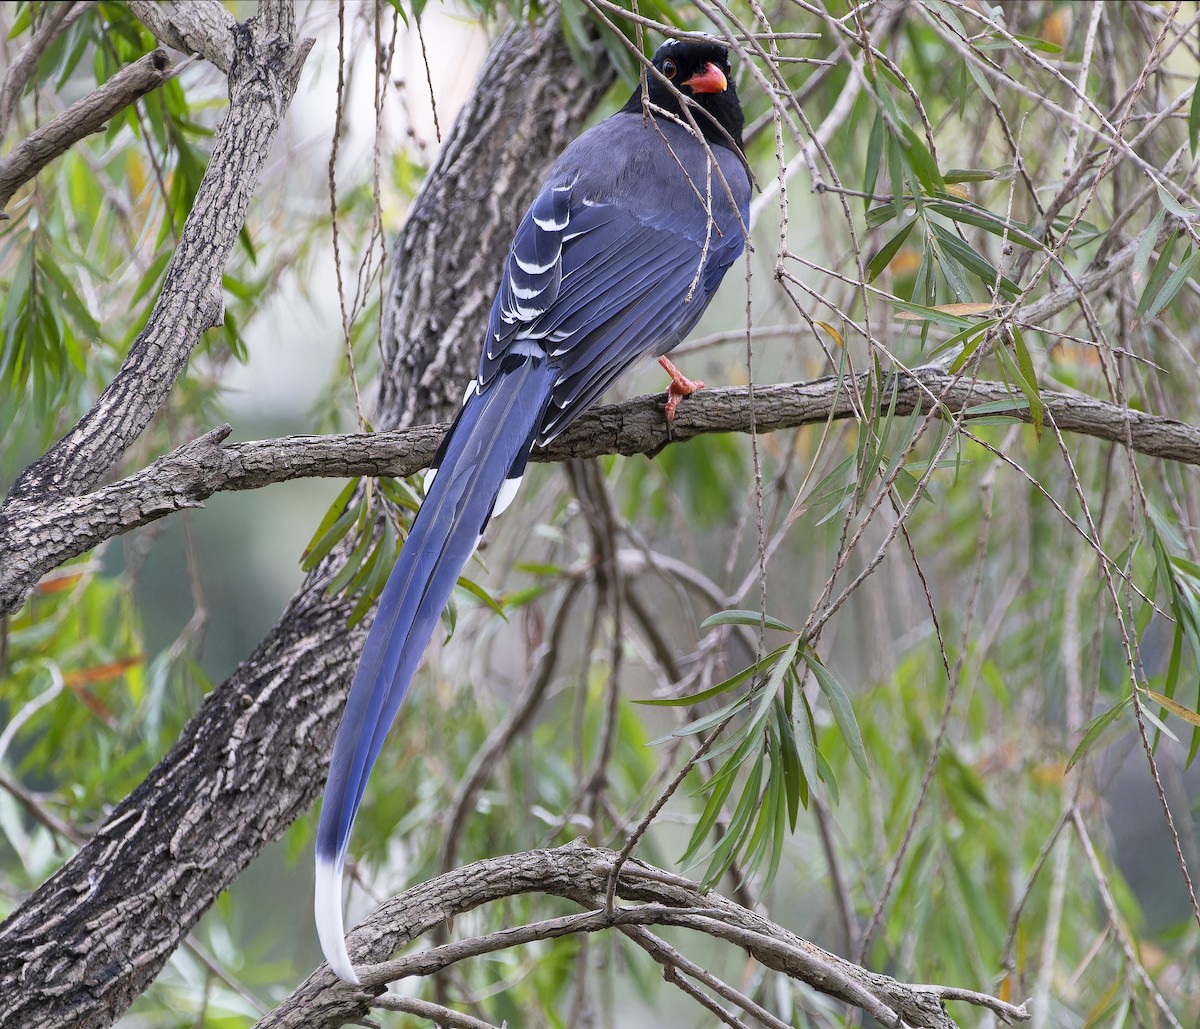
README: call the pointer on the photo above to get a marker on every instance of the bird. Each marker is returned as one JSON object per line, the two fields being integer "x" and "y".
{"x": 616, "y": 259}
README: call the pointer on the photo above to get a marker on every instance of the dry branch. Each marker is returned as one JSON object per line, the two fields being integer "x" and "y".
{"x": 38, "y": 534}
{"x": 580, "y": 873}
{"x": 58, "y": 18}
{"x": 81, "y": 119}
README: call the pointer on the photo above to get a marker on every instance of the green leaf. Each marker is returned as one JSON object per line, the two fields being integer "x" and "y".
{"x": 715, "y": 691}
{"x": 843, "y": 713}
{"x": 883, "y": 256}
{"x": 973, "y": 214}
{"x": 1145, "y": 247}
{"x": 1158, "y": 277}
{"x": 1194, "y": 117}
{"x": 335, "y": 511}
{"x": 973, "y": 261}
{"x": 743, "y": 617}
{"x": 1173, "y": 285}
{"x": 921, "y": 160}
{"x": 874, "y": 152}
{"x": 1093, "y": 730}
{"x": 1028, "y": 380}
{"x": 479, "y": 593}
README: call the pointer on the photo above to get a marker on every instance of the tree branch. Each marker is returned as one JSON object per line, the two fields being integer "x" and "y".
{"x": 253, "y": 758}
{"x": 81, "y": 119}
{"x": 37, "y": 535}
{"x": 262, "y": 79}
{"x": 58, "y": 18}
{"x": 201, "y": 27}
{"x": 580, "y": 873}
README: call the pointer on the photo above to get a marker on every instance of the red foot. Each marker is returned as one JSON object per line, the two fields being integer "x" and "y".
{"x": 681, "y": 386}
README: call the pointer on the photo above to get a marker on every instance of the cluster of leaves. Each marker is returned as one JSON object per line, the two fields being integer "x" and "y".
{"x": 772, "y": 752}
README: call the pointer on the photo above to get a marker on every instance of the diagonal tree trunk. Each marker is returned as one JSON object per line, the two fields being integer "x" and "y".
{"x": 253, "y": 759}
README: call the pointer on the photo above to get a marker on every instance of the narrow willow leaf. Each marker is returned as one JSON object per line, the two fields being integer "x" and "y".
{"x": 744, "y": 617}
{"x": 973, "y": 261}
{"x": 883, "y": 256}
{"x": 921, "y": 160}
{"x": 479, "y": 593}
{"x": 1158, "y": 277}
{"x": 1173, "y": 285}
{"x": 1194, "y": 117}
{"x": 970, "y": 175}
{"x": 706, "y": 721}
{"x": 1095, "y": 728}
{"x": 720, "y": 785}
{"x": 1145, "y": 247}
{"x": 981, "y": 218}
{"x": 833, "y": 333}
{"x": 1174, "y": 206}
{"x": 941, "y": 315}
{"x": 325, "y": 541}
{"x": 356, "y": 558}
{"x": 843, "y": 713}
{"x": 1176, "y": 708}
{"x": 996, "y": 407}
{"x": 1028, "y": 381}
{"x": 789, "y": 763}
{"x": 722, "y": 687}
{"x": 874, "y": 151}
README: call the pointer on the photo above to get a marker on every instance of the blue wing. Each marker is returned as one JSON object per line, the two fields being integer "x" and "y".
{"x": 617, "y": 258}
{"x": 600, "y": 275}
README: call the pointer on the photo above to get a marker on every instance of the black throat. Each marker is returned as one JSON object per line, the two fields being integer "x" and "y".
{"x": 717, "y": 115}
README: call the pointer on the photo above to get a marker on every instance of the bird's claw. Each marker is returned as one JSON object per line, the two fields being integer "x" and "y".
{"x": 681, "y": 386}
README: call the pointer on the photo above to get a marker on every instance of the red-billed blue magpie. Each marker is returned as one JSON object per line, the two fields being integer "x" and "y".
{"x": 618, "y": 257}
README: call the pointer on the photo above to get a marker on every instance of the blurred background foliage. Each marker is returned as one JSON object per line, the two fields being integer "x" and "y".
{"x": 947, "y": 751}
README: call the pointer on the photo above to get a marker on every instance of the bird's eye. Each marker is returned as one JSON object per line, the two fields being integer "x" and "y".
{"x": 668, "y": 68}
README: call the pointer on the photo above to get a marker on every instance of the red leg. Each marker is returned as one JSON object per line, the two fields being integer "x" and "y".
{"x": 681, "y": 386}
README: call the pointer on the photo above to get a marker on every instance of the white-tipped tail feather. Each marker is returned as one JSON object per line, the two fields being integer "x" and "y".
{"x": 327, "y": 906}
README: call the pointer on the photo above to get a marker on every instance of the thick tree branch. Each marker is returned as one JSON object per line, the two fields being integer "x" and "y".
{"x": 262, "y": 79}
{"x": 81, "y": 119}
{"x": 38, "y": 535}
{"x": 580, "y": 873}
{"x": 253, "y": 758}
{"x": 201, "y": 27}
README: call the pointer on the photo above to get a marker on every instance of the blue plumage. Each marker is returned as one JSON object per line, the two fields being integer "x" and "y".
{"x": 616, "y": 259}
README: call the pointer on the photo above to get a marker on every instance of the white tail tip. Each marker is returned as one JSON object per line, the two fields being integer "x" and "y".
{"x": 327, "y": 906}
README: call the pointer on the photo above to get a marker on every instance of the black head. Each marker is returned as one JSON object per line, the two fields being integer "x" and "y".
{"x": 699, "y": 70}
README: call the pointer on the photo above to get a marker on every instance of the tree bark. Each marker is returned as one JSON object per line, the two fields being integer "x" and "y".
{"x": 253, "y": 759}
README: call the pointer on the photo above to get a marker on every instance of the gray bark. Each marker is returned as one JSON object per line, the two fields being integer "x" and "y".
{"x": 48, "y": 531}
{"x": 254, "y": 757}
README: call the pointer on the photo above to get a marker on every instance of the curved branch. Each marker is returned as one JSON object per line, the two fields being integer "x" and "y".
{"x": 38, "y": 535}
{"x": 201, "y": 27}
{"x": 252, "y": 759}
{"x": 580, "y": 873}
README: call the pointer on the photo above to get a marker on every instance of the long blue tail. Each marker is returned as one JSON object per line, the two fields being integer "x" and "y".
{"x": 486, "y": 448}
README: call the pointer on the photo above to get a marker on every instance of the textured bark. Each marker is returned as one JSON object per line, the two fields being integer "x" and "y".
{"x": 49, "y": 532}
{"x": 262, "y": 79}
{"x": 191, "y": 26}
{"x": 580, "y": 873}
{"x": 85, "y": 116}
{"x": 255, "y": 756}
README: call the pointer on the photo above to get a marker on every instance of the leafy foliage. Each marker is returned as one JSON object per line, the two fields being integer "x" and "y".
{"x": 930, "y": 751}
